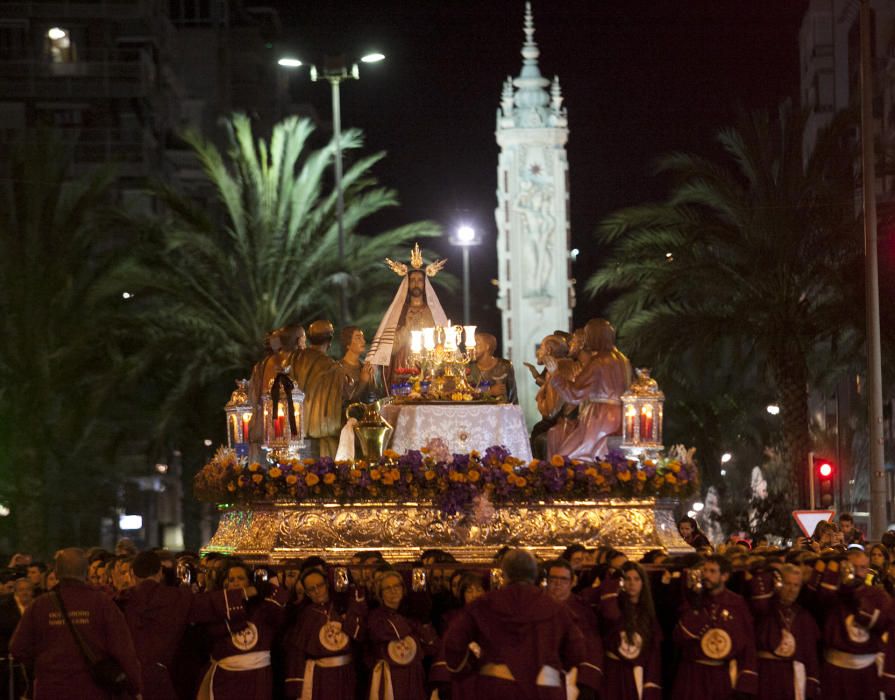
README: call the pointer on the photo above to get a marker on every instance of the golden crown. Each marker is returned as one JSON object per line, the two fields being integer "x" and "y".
{"x": 416, "y": 263}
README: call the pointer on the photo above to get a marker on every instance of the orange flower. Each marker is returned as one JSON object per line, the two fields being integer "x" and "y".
{"x": 395, "y": 475}
{"x": 300, "y": 468}
{"x": 257, "y": 478}
{"x": 557, "y": 461}
{"x": 641, "y": 476}
{"x": 309, "y": 461}
{"x": 391, "y": 454}
{"x": 606, "y": 467}
{"x": 624, "y": 476}
{"x": 375, "y": 474}
{"x": 570, "y": 472}
{"x": 521, "y": 481}
{"x": 254, "y": 466}
{"x": 291, "y": 479}
{"x": 591, "y": 472}
{"x": 474, "y": 454}
{"x": 311, "y": 479}
{"x": 387, "y": 479}
{"x": 674, "y": 466}
{"x": 329, "y": 478}
{"x": 430, "y": 474}
{"x": 355, "y": 473}
{"x": 231, "y": 487}
{"x": 242, "y": 481}
{"x": 508, "y": 468}
{"x": 473, "y": 476}
{"x": 671, "y": 478}
{"x": 600, "y": 479}
{"x": 461, "y": 478}
{"x": 275, "y": 473}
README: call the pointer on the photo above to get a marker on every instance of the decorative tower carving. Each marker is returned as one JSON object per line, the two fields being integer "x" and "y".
{"x": 535, "y": 295}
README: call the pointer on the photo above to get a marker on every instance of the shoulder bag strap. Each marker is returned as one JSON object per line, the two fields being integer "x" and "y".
{"x": 88, "y": 655}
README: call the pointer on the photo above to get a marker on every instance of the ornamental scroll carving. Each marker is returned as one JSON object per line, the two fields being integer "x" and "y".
{"x": 272, "y": 532}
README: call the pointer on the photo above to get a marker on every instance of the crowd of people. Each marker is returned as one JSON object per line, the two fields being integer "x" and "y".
{"x": 812, "y": 620}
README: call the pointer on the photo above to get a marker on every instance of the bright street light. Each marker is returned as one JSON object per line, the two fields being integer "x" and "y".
{"x": 465, "y": 237}
{"x": 723, "y": 472}
{"x": 336, "y": 69}
{"x": 773, "y": 409}
{"x": 698, "y": 506}
{"x": 56, "y": 33}
{"x": 726, "y": 457}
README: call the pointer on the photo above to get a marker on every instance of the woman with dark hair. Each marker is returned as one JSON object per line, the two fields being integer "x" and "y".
{"x": 246, "y": 618}
{"x": 631, "y": 636}
{"x": 693, "y": 536}
{"x": 398, "y": 644}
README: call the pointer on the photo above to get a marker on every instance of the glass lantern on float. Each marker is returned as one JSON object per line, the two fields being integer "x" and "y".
{"x": 642, "y": 414}
{"x": 283, "y": 409}
{"x": 239, "y": 415}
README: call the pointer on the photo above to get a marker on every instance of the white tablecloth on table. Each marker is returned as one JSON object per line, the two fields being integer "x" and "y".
{"x": 463, "y": 427}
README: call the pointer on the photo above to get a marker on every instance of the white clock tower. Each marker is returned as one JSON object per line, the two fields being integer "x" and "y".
{"x": 536, "y": 293}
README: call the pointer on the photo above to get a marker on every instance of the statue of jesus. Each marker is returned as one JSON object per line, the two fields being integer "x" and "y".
{"x": 414, "y": 307}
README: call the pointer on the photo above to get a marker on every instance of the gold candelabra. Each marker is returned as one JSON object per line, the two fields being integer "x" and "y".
{"x": 442, "y": 353}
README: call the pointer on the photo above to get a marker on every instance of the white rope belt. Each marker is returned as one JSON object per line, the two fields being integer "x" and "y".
{"x": 250, "y": 661}
{"x": 307, "y": 688}
{"x": 548, "y": 677}
{"x": 854, "y": 662}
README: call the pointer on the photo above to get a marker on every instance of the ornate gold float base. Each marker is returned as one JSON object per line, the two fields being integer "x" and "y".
{"x": 272, "y": 532}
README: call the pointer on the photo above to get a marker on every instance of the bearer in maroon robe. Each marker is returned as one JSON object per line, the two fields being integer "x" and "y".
{"x": 716, "y": 639}
{"x": 242, "y": 623}
{"x": 398, "y": 645}
{"x": 855, "y": 616}
{"x": 522, "y": 638}
{"x": 632, "y": 636}
{"x": 46, "y": 641}
{"x": 560, "y": 581}
{"x": 157, "y": 616}
{"x": 786, "y": 636}
{"x": 319, "y": 658}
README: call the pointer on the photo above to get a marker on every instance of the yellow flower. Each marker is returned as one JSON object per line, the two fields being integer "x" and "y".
{"x": 231, "y": 487}
{"x": 641, "y": 476}
{"x": 395, "y": 475}
{"x": 254, "y": 466}
{"x": 674, "y": 466}
{"x": 275, "y": 473}
{"x": 329, "y": 478}
{"x": 375, "y": 474}
{"x": 624, "y": 476}
{"x": 591, "y": 472}
{"x": 391, "y": 454}
{"x": 521, "y": 481}
{"x": 355, "y": 473}
{"x": 473, "y": 476}
{"x": 671, "y": 478}
{"x": 291, "y": 479}
{"x": 387, "y": 479}
{"x": 557, "y": 461}
{"x": 508, "y": 468}
{"x": 257, "y": 478}
{"x": 311, "y": 479}
{"x": 474, "y": 454}
{"x": 430, "y": 475}
{"x": 606, "y": 467}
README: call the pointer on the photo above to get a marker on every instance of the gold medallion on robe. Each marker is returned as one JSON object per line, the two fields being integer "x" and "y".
{"x": 787, "y": 645}
{"x": 402, "y": 651}
{"x": 246, "y": 638}
{"x": 332, "y": 637}
{"x": 630, "y": 647}
{"x": 716, "y": 644}
{"x": 856, "y": 633}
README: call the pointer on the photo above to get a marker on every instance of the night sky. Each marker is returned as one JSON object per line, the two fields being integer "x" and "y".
{"x": 640, "y": 78}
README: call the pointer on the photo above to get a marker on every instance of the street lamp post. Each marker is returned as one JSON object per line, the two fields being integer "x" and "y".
{"x": 335, "y": 70}
{"x": 465, "y": 237}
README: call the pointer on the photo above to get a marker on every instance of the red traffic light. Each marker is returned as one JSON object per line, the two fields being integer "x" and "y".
{"x": 825, "y": 470}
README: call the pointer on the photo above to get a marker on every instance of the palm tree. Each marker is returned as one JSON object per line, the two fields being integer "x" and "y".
{"x": 755, "y": 248}
{"x": 262, "y": 253}
{"x": 58, "y": 309}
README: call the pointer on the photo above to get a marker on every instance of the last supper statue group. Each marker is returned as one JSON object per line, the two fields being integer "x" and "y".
{"x": 308, "y": 466}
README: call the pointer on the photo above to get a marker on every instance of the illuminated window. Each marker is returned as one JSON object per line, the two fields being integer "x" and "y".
{"x": 59, "y": 46}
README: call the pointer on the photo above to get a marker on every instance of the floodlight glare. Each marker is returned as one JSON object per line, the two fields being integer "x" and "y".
{"x": 373, "y": 58}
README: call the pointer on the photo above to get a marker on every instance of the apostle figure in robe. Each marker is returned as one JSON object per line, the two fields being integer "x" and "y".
{"x": 496, "y": 371}
{"x": 552, "y": 407}
{"x": 596, "y": 390}
{"x": 279, "y": 345}
{"x": 359, "y": 373}
{"x": 414, "y": 307}
{"x": 325, "y": 386}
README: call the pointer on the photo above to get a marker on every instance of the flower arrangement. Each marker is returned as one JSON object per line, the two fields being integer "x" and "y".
{"x": 453, "y": 483}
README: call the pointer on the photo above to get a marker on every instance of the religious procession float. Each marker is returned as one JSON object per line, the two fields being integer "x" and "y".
{"x": 421, "y": 444}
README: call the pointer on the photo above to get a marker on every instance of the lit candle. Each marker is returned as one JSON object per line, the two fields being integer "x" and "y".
{"x": 246, "y": 419}
{"x": 416, "y": 341}
{"x": 470, "y": 336}
{"x": 630, "y": 415}
{"x": 450, "y": 337}
{"x": 646, "y": 423}
{"x": 429, "y": 338}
